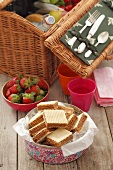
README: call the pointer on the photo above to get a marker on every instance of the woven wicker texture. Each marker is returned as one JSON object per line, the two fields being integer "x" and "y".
{"x": 22, "y": 49}
{"x": 65, "y": 55}
{"x": 4, "y": 3}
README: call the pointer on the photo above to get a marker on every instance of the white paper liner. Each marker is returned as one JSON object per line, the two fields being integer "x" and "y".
{"x": 80, "y": 141}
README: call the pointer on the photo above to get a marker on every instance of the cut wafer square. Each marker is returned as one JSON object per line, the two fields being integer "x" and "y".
{"x": 36, "y": 119}
{"x": 36, "y": 128}
{"x": 41, "y": 135}
{"x": 80, "y": 123}
{"x": 55, "y": 118}
{"x": 67, "y": 109}
{"x": 47, "y": 105}
{"x": 68, "y": 115}
{"x": 71, "y": 122}
{"x": 59, "y": 137}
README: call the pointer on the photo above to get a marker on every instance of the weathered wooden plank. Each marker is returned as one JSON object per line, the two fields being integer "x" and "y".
{"x": 8, "y": 138}
{"x": 67, "y": 166}
{"x": 100, "y": 153}
{"x": 56, "y": 93}
{"x": 109, "y": 114}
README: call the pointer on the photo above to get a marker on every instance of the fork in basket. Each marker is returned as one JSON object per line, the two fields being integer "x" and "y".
{"x": 89, "y": 22}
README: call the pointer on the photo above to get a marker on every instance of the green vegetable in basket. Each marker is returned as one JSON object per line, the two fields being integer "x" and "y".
{"x": 53, "y": 1}
{"x": 46, "y": 1}
{"x": 60, "y": 2}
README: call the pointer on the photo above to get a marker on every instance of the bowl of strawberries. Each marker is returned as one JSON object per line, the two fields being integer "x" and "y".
{"x": 23, "y": 93}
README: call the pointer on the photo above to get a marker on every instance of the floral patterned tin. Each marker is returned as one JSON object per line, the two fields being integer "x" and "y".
{"x": 50, "y": 155}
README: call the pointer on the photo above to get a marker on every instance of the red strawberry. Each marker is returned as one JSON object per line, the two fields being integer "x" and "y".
{"x": 68, "y": 7}
{"x": 67, "y": 1}
{"x": 75, "y": 4}
{"x": 75, "y": 1}
{"x": 28, "y": 98}
{"x": 28, "y": 90}
{"x": 16, "y": 88}
{"x": 15, "y": 98}
{"x": 14, "y": 80}
{"x": 61, "y": 6}
{"x": 7, "y": 93}
{"x": 34, "y": 88}
{"x": 25, "y": 82}
{"x": 42, "y": 84}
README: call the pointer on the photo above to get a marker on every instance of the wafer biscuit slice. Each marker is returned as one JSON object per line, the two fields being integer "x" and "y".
{"x": 67, "y": 109}
{"x": 47, "y": 105}
{"x": 71, "y": 122}
{"x": 80, "y": 123}
{"x": 55, "y": 118}
{"x": 68, "y": 115}
{"x": 36, "y": 128}
{"x": 59, "y": 137}
{"x": 41, "y": 135}
{"x": 36, "y": 119}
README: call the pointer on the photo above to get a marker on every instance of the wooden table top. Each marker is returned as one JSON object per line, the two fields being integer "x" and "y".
{"x": 13, "y": 155}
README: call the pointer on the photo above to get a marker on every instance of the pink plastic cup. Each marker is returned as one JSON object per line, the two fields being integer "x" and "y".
{"x": 82, "y": 92}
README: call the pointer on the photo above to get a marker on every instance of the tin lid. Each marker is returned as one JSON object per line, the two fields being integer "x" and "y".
{"x": 4, "y": 3}
{"x": 50, "y": 20}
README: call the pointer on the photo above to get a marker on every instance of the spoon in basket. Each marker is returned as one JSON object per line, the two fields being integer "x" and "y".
{"x": 102, "y": 38}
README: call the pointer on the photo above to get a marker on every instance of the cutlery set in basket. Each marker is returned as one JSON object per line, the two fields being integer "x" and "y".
{"x": 88, "y": 43}
{"x": 85, "y": 39}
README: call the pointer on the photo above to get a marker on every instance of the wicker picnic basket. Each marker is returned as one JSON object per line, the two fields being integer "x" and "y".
{"x": 22, "y": 49}
{"x": 65, "y": 55}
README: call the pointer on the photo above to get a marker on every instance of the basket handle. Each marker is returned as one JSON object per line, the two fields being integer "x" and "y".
{"x": 4, "y": 3}
{"x": 109, "y": 51}
{"x": 109, "y": 56}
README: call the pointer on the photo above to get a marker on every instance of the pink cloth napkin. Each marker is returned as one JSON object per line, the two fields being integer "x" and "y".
{"x": 104, "y": 82}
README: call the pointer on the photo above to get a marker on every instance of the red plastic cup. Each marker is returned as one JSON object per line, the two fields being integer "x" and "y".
{"x": 82, "y": 92}
{"x": 65, "y": 76}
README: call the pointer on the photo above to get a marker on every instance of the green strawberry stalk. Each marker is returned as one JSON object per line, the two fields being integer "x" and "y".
{"x": 26, "y": 82}
{"x": 14, "y": 98}
{"x": 38, "y": 98}
{"x": 34, "y": 88}
{"x": 35, "y": 81}
{"x": 28, "y": 98}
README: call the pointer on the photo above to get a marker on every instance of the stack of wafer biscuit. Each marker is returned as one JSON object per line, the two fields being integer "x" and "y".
{"x": 54, "y": 124}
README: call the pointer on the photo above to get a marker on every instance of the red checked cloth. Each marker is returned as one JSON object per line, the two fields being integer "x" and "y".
{"x": 104, "y": 82}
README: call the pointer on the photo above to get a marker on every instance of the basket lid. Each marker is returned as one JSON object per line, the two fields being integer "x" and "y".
{"x": 4, "y": 3}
